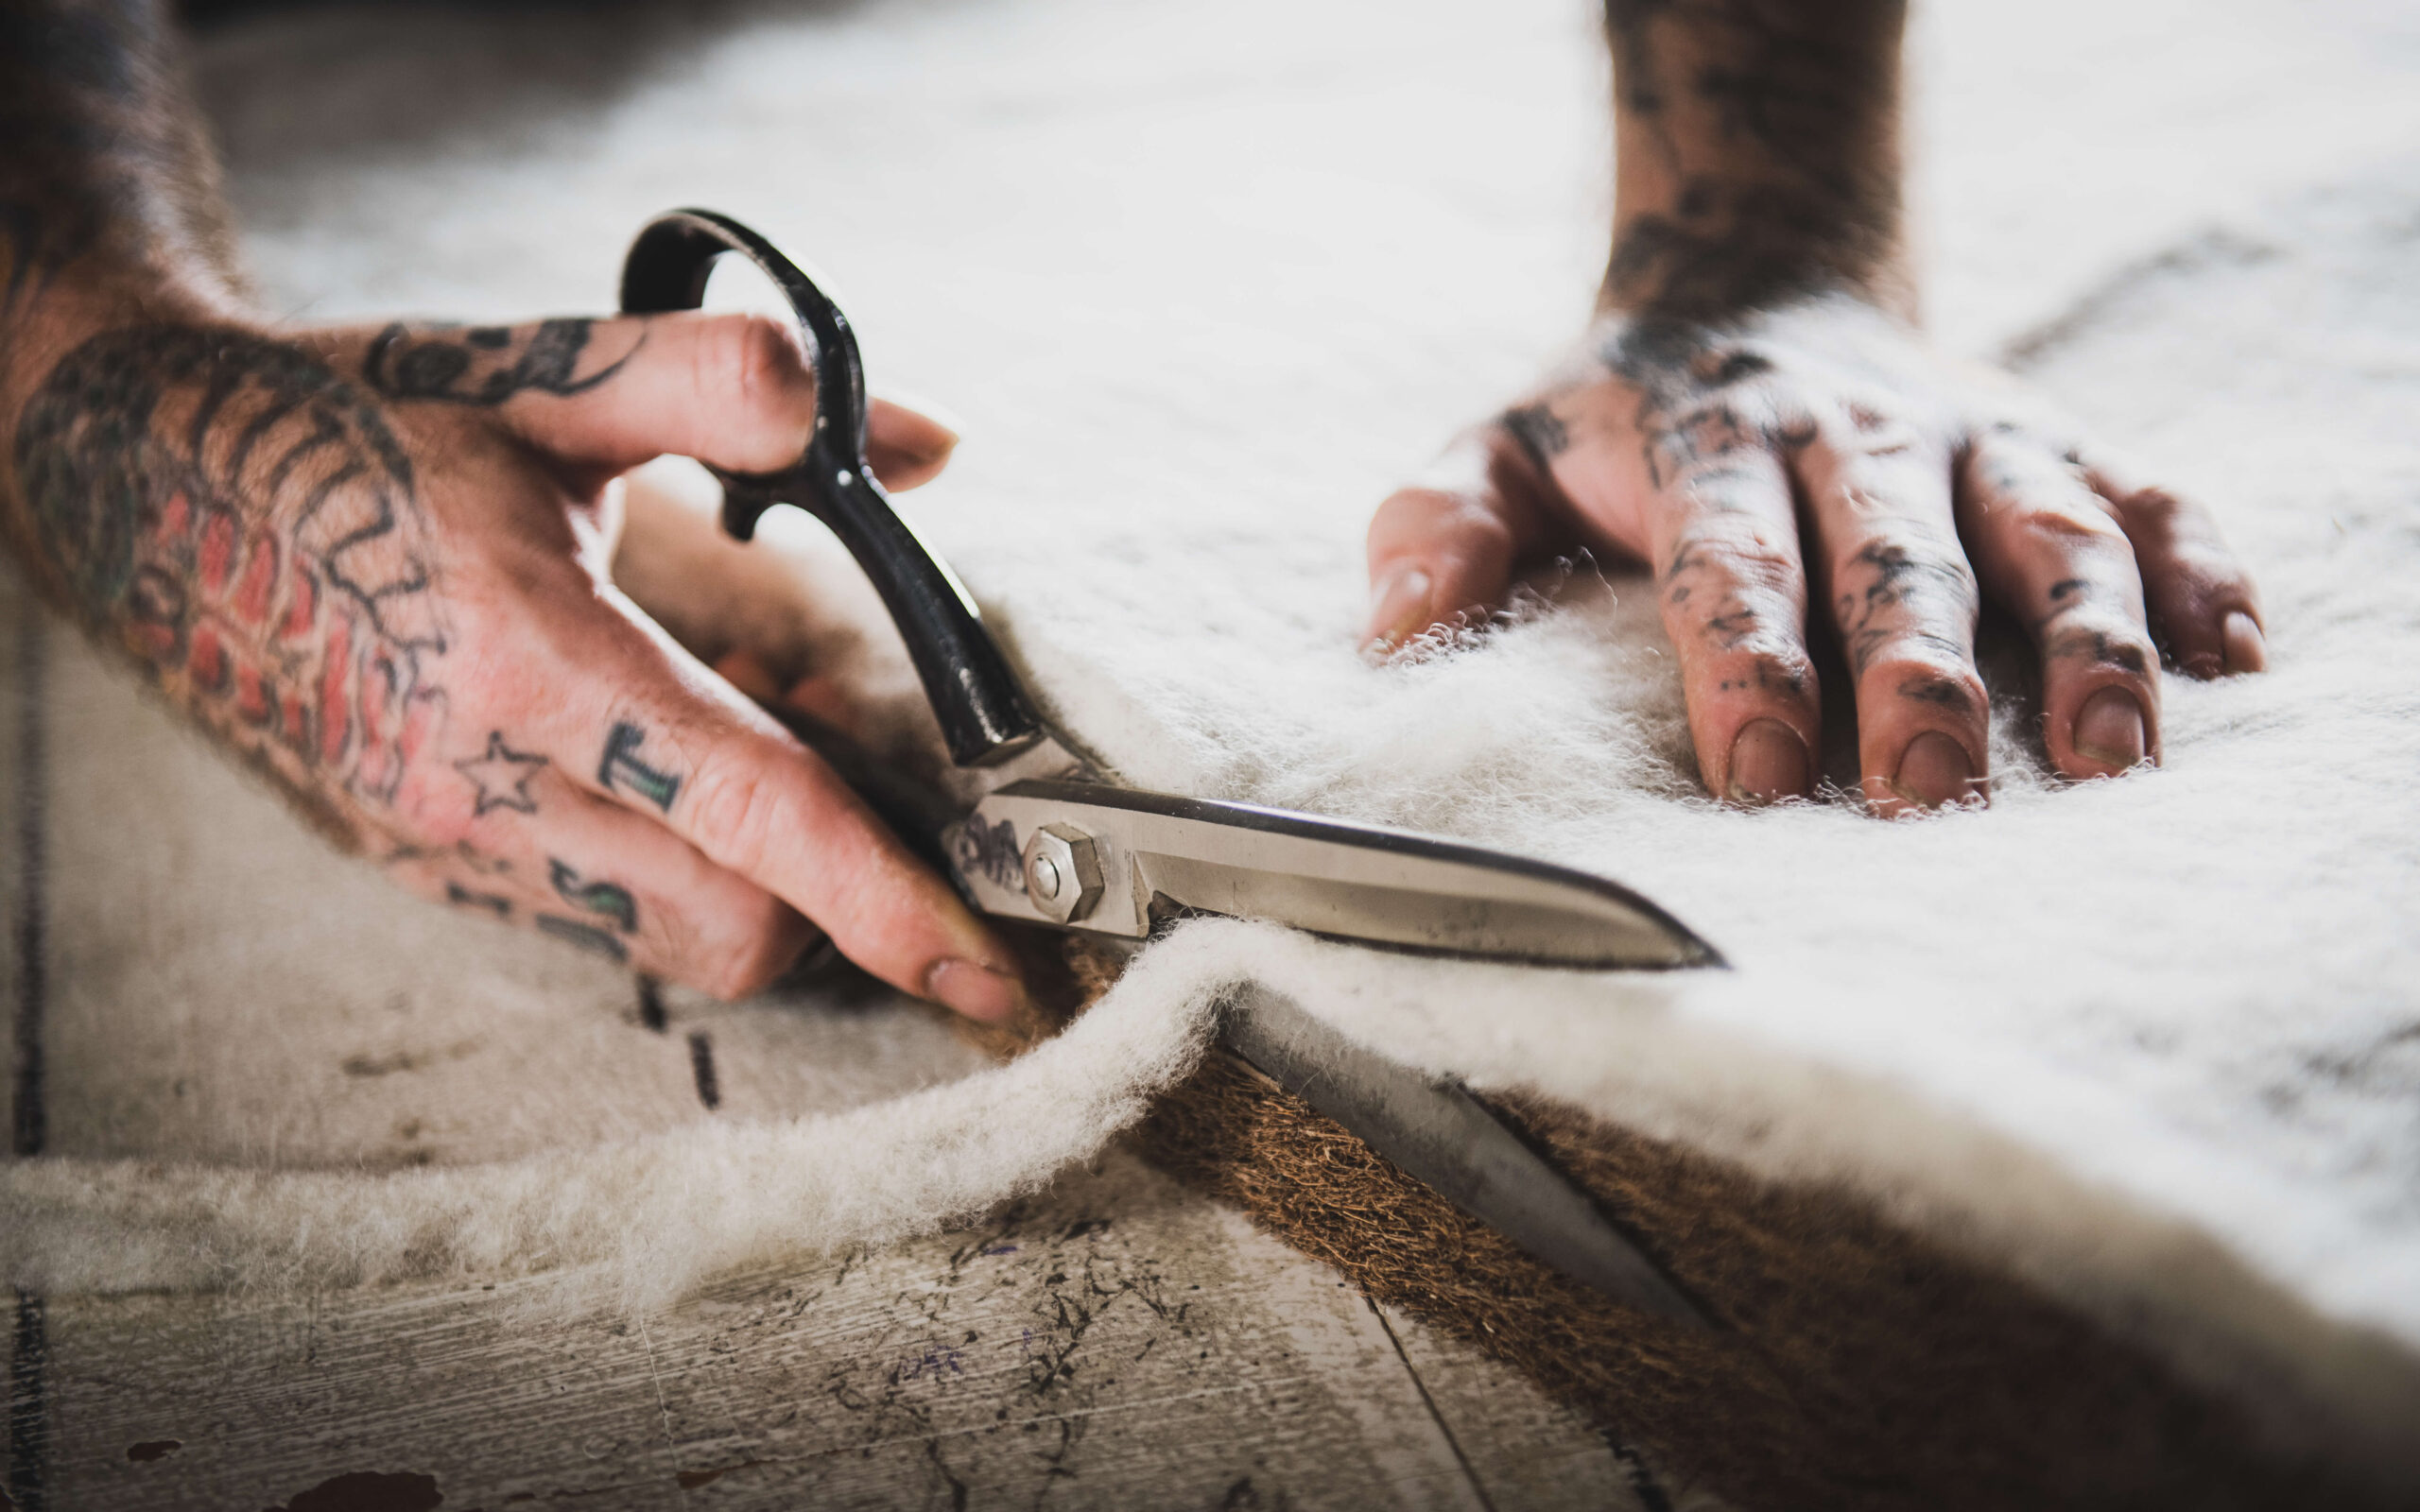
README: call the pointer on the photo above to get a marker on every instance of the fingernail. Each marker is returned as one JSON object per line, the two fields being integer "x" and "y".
{"x": 2247, "y": 648}
{"x": 2110, "y": 729}
{"x": 937, "y": 444}
{"x": 1398, "y": 607}
{"x": 974, "y": 991}
{"x": 1768, "y": 763}
{"x": 1933, "y": 771}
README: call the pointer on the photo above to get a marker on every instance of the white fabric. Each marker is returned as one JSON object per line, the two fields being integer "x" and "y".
{"x": 1202, "y": 285}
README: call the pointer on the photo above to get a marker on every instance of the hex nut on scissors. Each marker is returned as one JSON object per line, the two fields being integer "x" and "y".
{"x": 1062, "y": 872}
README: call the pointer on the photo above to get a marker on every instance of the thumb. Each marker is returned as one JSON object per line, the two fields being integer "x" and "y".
{"x": 1447, "y": 547}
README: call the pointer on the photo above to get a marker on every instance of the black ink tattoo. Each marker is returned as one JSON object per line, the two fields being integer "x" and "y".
{"x": 501, "y": 776}
{"x": 621, "y": 766}
{"x": 484, "y": 365}
{"x": 989, "y": 850}
{"x": 463, "y": 897}
{"x": 609, "y": 898}
{"x": 100, "y": 156}
{"x": 1905, "y": 594}
{"x": 1938, "y": 691}
{"x": 586, "y": 936}
{"x": 1541, "y": 433}
{"x": 2086, "y": 644}
{"x": 245, "y": 523}
{"x": 1769, "y": 118}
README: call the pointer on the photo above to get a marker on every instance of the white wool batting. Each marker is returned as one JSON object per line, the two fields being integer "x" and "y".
{"x": 2151, "y": 1044}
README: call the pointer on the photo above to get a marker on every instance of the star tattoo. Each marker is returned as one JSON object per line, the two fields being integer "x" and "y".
{"x": 502, "y": 776}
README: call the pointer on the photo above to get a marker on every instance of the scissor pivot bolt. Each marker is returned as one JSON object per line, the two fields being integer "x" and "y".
{"x": 1062, "y": 873}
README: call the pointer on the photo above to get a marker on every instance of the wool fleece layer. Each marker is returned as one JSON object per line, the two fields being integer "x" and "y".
{"x": 2133, "y": 1059}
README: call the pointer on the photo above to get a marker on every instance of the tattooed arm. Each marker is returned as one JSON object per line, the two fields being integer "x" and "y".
{"x": 1753, "y": 416}
{"x": 373, "y": 563}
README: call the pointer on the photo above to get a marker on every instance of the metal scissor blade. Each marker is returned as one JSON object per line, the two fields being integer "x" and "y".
{"x": 1111, "y": 857}
{"x": 1441, "y": 1136}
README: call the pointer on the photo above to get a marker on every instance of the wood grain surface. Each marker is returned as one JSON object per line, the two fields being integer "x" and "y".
{"x": 1121, "y": 1342}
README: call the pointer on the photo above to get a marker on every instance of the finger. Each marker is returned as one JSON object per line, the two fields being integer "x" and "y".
{"x": 1445, "y": 550}
{"x": 650, "y": 729}
{"x": 1733, "y": 593}
{"x": 905, "y": 447}
{"x": 537, "y": 852}
{"x": 2203, "y": 606}
{"x": 2045, "y": 546}
{"x": 1904, "y": 598}
{"x": 733, "y": 391}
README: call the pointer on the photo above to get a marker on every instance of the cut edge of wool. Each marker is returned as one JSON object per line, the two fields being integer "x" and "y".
{"x": 637, "y": 1225}
{"x": 646, "y": 1222}
{"x": 2120, "y": 1258}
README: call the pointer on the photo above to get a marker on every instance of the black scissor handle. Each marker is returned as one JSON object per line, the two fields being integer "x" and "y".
{"x": 984, "y": 709}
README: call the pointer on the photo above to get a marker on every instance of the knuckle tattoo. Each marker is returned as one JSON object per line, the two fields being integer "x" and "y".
{"x": 460, "y": 896}
{"x": 1953, "y": 694}
{"x": 2101, "y": 646}
{"x": 481, "y": 366}
{"x": 1892, "y": 594}
{"x": 608, "y": 900}
{"x": 621, "y": 769}
{"x": 1779, "y": 670}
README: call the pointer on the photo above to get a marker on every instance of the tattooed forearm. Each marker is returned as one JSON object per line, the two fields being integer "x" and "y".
{"x": 103, "y": 162}
{"x": 483, "y": 364}
{"x": 1758, "y": 143}
{"x": 245, "y": 522}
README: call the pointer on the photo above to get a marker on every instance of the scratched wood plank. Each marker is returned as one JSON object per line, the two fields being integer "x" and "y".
{"x": 1524, "y": 1449}
{"x": 1118, "y": 1343}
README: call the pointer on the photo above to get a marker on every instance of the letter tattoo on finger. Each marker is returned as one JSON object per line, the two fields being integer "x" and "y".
{"x": 461, "y": 896}
{"x": 586, "y": 936}
{"x": 621, "y": 766}
{"x": 609, "y": 898}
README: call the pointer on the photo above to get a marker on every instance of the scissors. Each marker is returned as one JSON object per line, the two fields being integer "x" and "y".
{"x": 1063, "y": 845}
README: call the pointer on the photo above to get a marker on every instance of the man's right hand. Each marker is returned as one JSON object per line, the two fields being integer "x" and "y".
{"x": 374, "y": 563}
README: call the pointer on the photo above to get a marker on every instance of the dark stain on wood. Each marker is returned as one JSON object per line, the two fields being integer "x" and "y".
{"x": 369, "y": 1492}
{"x": 152, "y": 1448}
{"x": 691, "y": 1480}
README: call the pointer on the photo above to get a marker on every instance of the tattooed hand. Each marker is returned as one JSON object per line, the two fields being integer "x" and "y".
{"x": 1821, "y": 450}
{"x": 373, "y": 563}
{"x": 1756, "y": 419}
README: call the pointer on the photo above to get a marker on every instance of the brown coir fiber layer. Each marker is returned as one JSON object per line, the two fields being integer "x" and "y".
{"x": 1854, "y": 1363}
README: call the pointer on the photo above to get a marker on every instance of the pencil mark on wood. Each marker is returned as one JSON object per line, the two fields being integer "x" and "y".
{"x": 701, "y": 1069}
